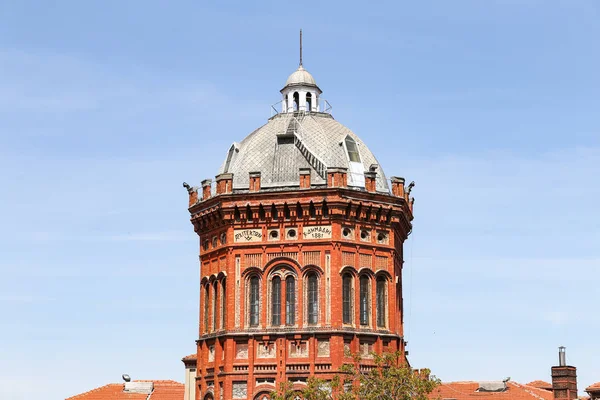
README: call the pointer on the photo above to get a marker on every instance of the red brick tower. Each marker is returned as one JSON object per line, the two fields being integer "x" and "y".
{"x": 300, "y": 253}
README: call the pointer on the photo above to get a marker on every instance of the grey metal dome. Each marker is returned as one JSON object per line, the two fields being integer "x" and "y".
{"x": 294, "y": 140}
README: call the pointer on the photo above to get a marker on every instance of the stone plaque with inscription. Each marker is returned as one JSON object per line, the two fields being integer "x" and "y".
{"x": 247, "y": 235}
{"x": 316, "y": 232}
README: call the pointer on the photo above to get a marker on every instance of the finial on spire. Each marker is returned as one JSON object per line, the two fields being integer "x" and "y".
{"x": 300, "y": 47}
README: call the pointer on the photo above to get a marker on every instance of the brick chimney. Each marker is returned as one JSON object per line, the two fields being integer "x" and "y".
{"x": 397, "y": 186}
{"x": 304, "y": 178}
{"x": 224, "y": 183}
{"x": 254, "y": 181}
{"x": 206, "y": 186}
{"x": 337, "y": 177}
{"x": 564, "y": 378}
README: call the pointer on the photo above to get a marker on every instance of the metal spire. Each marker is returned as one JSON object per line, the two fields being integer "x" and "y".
{"x": 300, "y": 47}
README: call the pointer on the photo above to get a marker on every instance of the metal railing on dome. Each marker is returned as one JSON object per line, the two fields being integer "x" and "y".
{"x": 323, "y": 106}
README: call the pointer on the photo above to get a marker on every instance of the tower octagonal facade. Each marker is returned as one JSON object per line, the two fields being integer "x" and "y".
{"x": 301, "y": 253}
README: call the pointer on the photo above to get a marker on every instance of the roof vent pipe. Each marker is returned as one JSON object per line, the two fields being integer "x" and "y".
{"x": 562, "y": 356}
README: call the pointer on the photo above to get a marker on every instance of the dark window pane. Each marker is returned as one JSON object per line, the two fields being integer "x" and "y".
{"x": 223, "y": 305}
{"x": 254, "y": 301}
{"x": 313, "y": 301}
{"x": 346, "y": 299}
{"x": 364, "y": 300}
{"x": 206, "y": 295}
{"x": 215, "y": 305}
{"x": 276, "y": 301}
{"x": 381, "y": 302}
{"x": 290, "y": 300}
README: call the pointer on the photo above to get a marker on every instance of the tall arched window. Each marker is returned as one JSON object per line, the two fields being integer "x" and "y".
{"x": 308, "y": 102}
{"x": 223, "y": 303}
{"x": 206, "y": 306}
{"x": 313, "y": 299}
{"x": 290, "y": 300}
{"x": 381, "y": 302}
{"x": 276, "y": 301}
{"x": 215, "y": 305}
{"x": 296, "y": 101}
{"x": 347, "y": 298}
{"x": 254, "y": 300}
{"x": 364, "y": 300}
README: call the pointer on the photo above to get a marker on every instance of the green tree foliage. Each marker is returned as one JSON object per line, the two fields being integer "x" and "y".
{"x": 388, "y": 379}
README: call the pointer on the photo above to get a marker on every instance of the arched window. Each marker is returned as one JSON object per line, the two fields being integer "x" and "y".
{"x": 261, "y": 212}
{"x": 325, "y": 209}
{"x": 254, "y": 301}
{"x": 308, "y": 102}
{"x": 248, "y": 213}
{"x": 286, "y": 211}
{"x": 312, "y": 212}
{"x": 296, "y": 101}
{"x": 381, "y": 314}
{"x": 313, "y": 299}
{"x": 364, "y": 300}
{"x": 352, "y": 149}
{"x": 206, "y": 306}
{"x": 290, "y": 300}
{"x": 215, "y": 305}
{"x": 347, "y": 298}
{"x": 223, "y": 303}
{"x": 299, "y": 211}
{"x": 274, "y": 215}
{"x": 276, "y": 301}
{"x": 236, "y": 213}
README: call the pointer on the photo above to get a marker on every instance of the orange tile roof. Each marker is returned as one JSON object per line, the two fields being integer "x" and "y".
{"x": 593, "y": 388}
{"x": 163, "y": 390}
{"x": 541, "y": 385}
{"x": 467, "y": 391}
{"x": 191, "y": 357}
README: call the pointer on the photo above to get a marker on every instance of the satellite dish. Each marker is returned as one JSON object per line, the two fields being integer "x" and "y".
{"x": 126, "y": 378}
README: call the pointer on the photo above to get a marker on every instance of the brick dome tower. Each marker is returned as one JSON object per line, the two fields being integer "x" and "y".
{"x": 300, "y": 253}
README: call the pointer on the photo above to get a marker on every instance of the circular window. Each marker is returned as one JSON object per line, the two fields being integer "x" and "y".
{"x": 223, "y": 238}
{"x": 381, "y": 237}
{"x": 291, "y": 233}
{"x": 364, "y": 234}
{"x": 273, "y": 234}
{"x": 346, "y": 232}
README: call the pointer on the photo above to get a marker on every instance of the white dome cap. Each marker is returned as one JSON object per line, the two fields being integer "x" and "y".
{"x": 301, "y": 77}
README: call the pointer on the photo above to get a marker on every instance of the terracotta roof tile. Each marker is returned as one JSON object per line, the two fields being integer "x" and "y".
{"x": 541, "y": 385}
{"x": 594, "y": 387}
{"x": 191, "y": 357}
{"x": 163, "y": 390}
{"x": 467, "y": 391}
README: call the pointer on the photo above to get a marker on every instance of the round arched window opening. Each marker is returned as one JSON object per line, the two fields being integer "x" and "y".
{"x": 223, "y": 238}
{"x": 214, "y": 242}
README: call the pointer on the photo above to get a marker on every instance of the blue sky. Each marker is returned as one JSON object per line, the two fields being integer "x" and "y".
{"x": 106, "y": 107}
